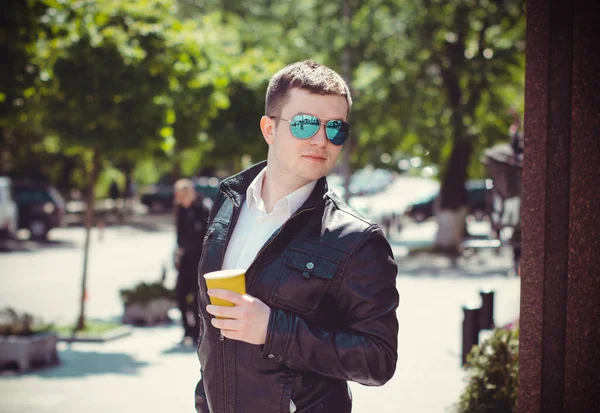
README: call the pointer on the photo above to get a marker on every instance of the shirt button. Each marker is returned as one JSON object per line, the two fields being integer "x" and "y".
{"x": 271, "y": 356}
{"x": 310, "y": 265}
{"x": 306, "y": 275}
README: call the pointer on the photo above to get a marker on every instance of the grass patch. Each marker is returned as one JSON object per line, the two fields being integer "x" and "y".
{"x": 91, "y": 328}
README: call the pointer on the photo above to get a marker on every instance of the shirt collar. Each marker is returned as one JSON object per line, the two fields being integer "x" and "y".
{"x": 254, "y": 191}
{"x": 293, "y": 201}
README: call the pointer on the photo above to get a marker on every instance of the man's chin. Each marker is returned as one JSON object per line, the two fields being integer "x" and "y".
{"x": 314, "y": 175}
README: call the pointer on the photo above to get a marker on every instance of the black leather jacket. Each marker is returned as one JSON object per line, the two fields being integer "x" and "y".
{"x": 191, "y": 228}
{"x": 330, "y": 280}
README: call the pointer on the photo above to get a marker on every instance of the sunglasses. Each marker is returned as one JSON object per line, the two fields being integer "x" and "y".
{"x": 305, "y": 126}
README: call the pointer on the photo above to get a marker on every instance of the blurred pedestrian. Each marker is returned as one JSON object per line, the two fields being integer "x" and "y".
{"x": 114, "y": 191}
{"x": 131, "y": 190}
{"x": 191, "y": 218}
{"x": 322, "y": 278}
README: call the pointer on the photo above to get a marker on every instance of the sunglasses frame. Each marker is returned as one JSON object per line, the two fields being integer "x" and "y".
{"x": 289, "y": 121}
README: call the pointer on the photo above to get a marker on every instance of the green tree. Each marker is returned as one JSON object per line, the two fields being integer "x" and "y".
{"x": 107, "y": 80}
{"x": 114, "y": 69}
{"x": 203, "y": 52}
{"x": 471, "y": 51}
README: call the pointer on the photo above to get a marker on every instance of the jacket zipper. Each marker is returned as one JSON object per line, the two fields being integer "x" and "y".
{"x": 221, "y": 337}
{"x": 264, "y": 247}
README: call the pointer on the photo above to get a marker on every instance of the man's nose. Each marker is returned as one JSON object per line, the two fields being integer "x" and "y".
{"x": 319, "y": 138}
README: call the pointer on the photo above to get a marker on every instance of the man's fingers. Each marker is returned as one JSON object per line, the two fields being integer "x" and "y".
{"x": 227, "y": 295}
{"x": 225, "y": 324}
{"x": 231, "y": 334}
{"x": 222, "y": 311}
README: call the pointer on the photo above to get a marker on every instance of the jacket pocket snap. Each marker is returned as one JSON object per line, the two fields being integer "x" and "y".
{"x": 302, "y": 281}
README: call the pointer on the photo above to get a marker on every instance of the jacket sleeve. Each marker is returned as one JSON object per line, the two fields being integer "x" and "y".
{"x": 364, "y": 348}
{"x": 201, "y": 402}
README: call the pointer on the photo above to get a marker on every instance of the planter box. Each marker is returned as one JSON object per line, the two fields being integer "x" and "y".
{"x": 152, "y": 312}
{"x": 40, "y": 347}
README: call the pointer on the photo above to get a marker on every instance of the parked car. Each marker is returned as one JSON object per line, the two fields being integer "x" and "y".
{"x": 8, "y": 209}
{"x": 476, "y": 201}
{"x": 41, "y": 208}
{"x": 159, "y": 198}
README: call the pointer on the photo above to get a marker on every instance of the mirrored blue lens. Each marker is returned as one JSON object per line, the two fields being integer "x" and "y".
{"x": 337, "y": 131}
{"x": 304, "y": 126}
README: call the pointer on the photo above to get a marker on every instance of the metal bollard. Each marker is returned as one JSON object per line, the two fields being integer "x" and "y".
{"x": 470, "y": 336}
{"x": 486, "y": 319}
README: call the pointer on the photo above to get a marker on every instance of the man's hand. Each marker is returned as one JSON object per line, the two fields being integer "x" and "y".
{"x": 247, "y": 321}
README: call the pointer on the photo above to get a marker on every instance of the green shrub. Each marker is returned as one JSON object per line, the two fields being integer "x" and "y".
{"x": 13, "y": 323}
{"x": 492, "y": 375}
{"x": 145, "y": 292}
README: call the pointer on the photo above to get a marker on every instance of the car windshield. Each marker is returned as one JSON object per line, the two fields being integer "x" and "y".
{"x": 57, "y": 197}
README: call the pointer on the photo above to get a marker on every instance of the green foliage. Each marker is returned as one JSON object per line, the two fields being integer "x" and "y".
{"x": 13, "y": 323}
{"x": 181, "y": 83}
{"x": 145, "y": 292}
{"x": 108, "y": 175}
{"x": 107, "y": 71}
{"x": 405, "y": 57}
{"x": 149, "y": 171}
{"x": 492, "y": 370}
{"x": 20, "y": 28}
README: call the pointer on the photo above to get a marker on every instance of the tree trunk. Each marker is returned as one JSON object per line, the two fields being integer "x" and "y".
{"x": 453, "y": 198}
{"x": 89, "y": 222}
{"x": 453, "y": 195}
{"x": 127, "y": 194}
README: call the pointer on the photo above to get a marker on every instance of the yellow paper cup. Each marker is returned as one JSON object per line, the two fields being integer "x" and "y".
{"x": 232, "y": 280}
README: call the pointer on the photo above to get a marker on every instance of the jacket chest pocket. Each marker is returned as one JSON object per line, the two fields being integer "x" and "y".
{"x": 302, "y": 281}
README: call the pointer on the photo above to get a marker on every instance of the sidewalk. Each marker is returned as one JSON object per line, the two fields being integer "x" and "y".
{"x": 145, "y": 372}
{"x": 149, "y": 372}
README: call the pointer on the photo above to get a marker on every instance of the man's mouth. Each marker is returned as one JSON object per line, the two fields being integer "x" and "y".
{"x": 315, "y": 157}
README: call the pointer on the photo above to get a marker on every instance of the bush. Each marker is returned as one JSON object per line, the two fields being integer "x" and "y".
{"x": 143, "y": 293}
{"x": 492, "y": 375}
{"x": 13, "y": 323}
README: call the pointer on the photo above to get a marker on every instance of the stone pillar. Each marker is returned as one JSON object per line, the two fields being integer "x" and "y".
{"x": 559, "y": 352}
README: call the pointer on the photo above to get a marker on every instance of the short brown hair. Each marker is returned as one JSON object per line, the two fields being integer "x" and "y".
{"x": 309, "y": 75}
{"x": 184, "y": 183}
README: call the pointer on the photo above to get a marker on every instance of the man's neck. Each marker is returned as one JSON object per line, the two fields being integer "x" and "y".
{"x": 274, "y": 189}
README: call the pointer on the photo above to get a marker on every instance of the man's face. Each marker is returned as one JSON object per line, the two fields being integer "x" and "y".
{"x": 184, "y": 197}
{"x": 295, "y": 161}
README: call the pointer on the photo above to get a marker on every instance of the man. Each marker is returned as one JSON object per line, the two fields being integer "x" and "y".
{"x": 191, "y": 217}
{"x": 321, "y": 299}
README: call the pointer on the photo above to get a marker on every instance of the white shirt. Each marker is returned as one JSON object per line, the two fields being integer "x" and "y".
{"x": 254, "y": 226}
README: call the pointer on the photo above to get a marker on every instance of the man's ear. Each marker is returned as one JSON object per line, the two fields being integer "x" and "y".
{"x": 267, "y": 126}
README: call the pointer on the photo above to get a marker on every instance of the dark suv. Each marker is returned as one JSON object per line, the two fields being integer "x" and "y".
{"x": 159, "y": 198}
{"x": 41, "y": 208}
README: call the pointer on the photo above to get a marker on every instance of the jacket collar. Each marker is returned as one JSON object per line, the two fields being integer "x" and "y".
{"x": 236, "y": 186}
